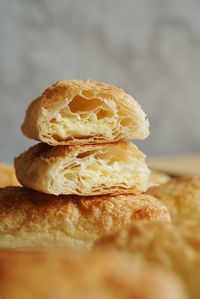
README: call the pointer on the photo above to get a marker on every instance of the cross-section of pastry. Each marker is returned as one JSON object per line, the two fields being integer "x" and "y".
{"x": 67, "y": 275}
{"x": 74, "y": 112}
{"x": 182, "y": 197}
{"x": 175, "y": 247}
{"x": 118, "y": 168}
{"x": 7, "y": 176}
{"x": 33, "y": 219}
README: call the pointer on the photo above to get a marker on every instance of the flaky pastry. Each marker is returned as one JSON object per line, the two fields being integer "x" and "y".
{"x": 78, "y": 275}
{"x": 33, "y": 219}
{"x": 182, "y": 197}
{"x": 74, "y": 112}
{"x": 7, "y": 176}
{"x": 175, "y": 247}
{"x": 84, "y": 170}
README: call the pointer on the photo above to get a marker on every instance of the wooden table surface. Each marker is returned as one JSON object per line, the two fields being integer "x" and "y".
{"x": 176, "y": 165}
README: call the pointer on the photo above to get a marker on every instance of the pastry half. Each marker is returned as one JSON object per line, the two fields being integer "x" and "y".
{"x": 78, "y": 275}
{"x": 182, "y": 197}
{"x": 7, "y": 176}
{"x": 33, "y": 219}
{"x": 82, "y": 112}
{"x": 84, "y": 170}
{"x": 175, "y": 247}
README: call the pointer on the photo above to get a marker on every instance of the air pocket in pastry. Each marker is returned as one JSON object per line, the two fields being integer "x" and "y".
{"x": 84, "y": 170}
{"x": 84, "y": 112}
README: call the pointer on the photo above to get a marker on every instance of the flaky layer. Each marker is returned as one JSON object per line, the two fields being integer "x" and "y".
{"x": 7, "y": 176}
{"x": 182, "y": 197}
{"x": 173, "y": 246}
{"x": 67, "y": 275}
{"x": 33, "y": 219}
{"x": 118, "y": 168}
{"x": 74, "y": 112}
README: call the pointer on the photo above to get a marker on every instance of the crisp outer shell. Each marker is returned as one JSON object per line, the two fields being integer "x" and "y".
{"x": 182, "y": 197}
{"x": 175, "y": 247}
{"x": 58, "y": 94}
{"x": 29, "y": 218}
{"x": 62, "y": 275}
{"x": 42, "y": 168}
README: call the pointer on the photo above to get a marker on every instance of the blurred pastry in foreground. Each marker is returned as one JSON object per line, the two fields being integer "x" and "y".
{"x": 118, "y": 168}
{"x": 175, "y": 247}
{"x": 74, "y": 112}
{"x": 182, "y": 197}
{"x": 33, "y": 219}
{"x": 97, "y": 275}
{"x": 158, "y": 177}
{"x": 7, "y": 176}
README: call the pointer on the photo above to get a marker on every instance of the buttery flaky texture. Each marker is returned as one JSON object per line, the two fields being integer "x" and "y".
{"x": 33, "y": 219}
{"x": 175, "y": 247}
{"x": 78, "y": 275}
{"x": 7, "y": 176}
{"x": 74, "y": 112}
{"x": 182, "y": 197}
{"x": 118, "y": 168}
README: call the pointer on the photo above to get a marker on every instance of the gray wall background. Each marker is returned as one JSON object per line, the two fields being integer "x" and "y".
{"x": 151, "y": 48}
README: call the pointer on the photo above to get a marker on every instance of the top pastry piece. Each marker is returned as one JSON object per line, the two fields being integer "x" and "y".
{"x": 74, "y": 112}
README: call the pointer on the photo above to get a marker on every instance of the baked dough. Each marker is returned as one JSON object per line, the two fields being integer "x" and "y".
{"x": 7, "y": 176}
{"x": 159, "y": 178}
{"x": 74, "y": 112}
{"x": 84, "y": 170}
{"x": 175, "y": 247}
{"x": 67, "y": 275}
{"x": 33, "y": 219}
{"x": 182, "y": 197}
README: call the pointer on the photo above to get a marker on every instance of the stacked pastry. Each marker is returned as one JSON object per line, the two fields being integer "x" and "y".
{"x": 82, "y": 125}
{"x": 85, "y": 179}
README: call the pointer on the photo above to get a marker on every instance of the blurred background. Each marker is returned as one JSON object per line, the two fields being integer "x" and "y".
{"x": 150, "y": 48}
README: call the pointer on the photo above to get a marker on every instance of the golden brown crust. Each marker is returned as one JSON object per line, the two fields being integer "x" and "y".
{"x": 182, "y": 197}
{"x": 97, "y": 275}
{"x": 173, "y": 246}
{"x": 29, "y": 218}
{"x": 57, "y": 97}
{"x": 7, "y": 176}
{"x": 87, "y": 170}
{"x": 49, "y": 153}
